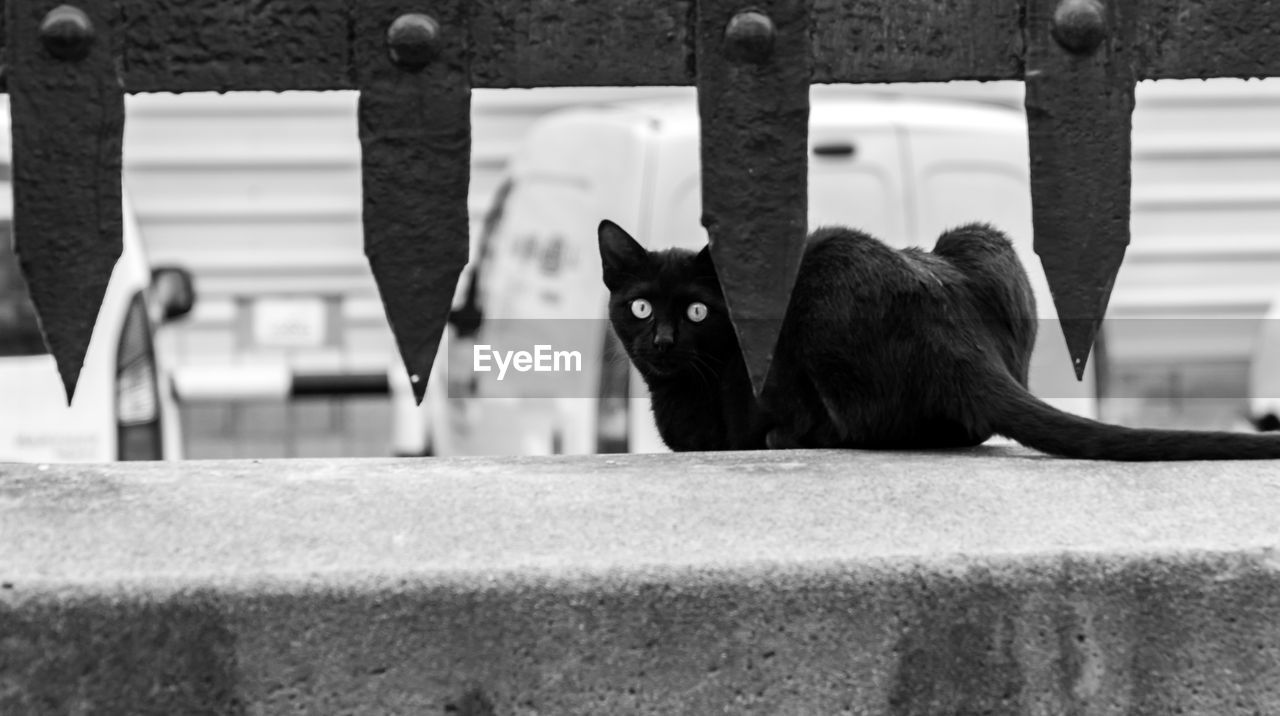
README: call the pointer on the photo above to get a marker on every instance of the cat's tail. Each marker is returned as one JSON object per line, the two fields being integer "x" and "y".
{"x": 1019, "y": 415}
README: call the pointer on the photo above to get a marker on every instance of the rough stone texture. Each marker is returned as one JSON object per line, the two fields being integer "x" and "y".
{"x": 987, "y": 581}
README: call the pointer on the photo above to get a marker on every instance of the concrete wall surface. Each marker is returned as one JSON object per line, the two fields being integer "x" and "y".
{"x": 992, "y": 581}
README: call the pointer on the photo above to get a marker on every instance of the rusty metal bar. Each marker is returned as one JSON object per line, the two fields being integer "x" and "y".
{"x": 304, "y": 44}
{"x": 916, "y": 40}
{"x": 1208, "y": 38}
{"x": 415, "y": 134}
{"x": 67, "y": 110}
{"x": 414, "y": 117}
{"x": 1079, "y": 102}
{"x": 222, "y": 45}
{"x": 554, "y": 43}
{"x": 753, "y": 98}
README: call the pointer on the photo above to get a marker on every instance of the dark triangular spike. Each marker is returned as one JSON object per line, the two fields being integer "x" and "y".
{"x": 1081, "y": 288}
{"x": 1080, "y": 337}
{"x": 753, "y": 98}
{"x": 1079, "y": 104}
{"x": 66, "y": 167}
{"x": 415, "y": 113}
{"x": 68, "y": 294}
{"x": 757, "y": 292}
{"x": 417, "y": 288}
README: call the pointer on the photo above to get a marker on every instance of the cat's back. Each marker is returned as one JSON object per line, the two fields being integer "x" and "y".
{"x": 992, "y": 271}
{"x": 981, "y": 248}
{"x": 972, "y": 274}
{"x": 840, "y": 261}
{"x": 843, "y": 244}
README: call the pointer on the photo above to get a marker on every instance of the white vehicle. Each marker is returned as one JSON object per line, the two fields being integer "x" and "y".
{"x": 1264, "y": 372}
{"x": 123, "y": 409}
{"x": 901, "y": 169}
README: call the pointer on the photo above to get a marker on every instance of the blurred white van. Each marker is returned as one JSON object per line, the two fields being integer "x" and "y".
{"x": 123, "y": 409}
{"x": 901, "y": 169}
{"x": 1264, "y": 372}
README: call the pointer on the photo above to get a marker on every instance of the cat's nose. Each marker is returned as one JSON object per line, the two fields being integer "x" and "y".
{"x": 664, "y": 338}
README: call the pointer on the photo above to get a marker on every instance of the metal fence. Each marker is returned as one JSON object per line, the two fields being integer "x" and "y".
{"x": 414, "y": 64}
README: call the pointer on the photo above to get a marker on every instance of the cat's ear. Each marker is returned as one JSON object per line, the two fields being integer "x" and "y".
{"x": 620, "y": 254}
{"x": 702, "y": 262}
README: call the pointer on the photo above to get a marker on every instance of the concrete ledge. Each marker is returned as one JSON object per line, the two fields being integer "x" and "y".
{"x": 990, "y": 581}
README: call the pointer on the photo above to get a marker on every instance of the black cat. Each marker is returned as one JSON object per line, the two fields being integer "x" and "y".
{"x": 880, "y": 348}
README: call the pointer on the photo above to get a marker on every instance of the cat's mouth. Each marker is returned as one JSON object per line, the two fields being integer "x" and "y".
{"x": 662, "y": 366}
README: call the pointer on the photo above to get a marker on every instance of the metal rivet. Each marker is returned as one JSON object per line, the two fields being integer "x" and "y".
{"x": 412, "y": 40}
{"x": 67, "y": 33}
{"x": 1080, "y": 25}
{"x": 749, "y": 37}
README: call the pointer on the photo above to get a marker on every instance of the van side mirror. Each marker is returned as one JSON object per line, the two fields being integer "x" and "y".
{"x": 173, "y": 293}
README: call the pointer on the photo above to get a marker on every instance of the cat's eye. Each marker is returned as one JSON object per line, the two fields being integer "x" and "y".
{"x": 641, "y": 308}
{"x": 696, "y": 312}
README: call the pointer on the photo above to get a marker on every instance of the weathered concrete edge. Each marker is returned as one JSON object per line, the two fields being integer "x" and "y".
{"x": 1186, "y": 633}
{"x": 594, "y": 514}
{"x": 985, "y": 581}
{"x": 1025, "y": 568}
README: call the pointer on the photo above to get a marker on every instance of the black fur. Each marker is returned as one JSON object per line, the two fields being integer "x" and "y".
{"x": 702, "y": 397}
{"x": 880, "y": 348}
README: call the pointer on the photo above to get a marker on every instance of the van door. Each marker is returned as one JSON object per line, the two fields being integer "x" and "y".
{"x": 856, "y": 178}
{"x": 540, "y": 295}
{"x": 541, "y": 289}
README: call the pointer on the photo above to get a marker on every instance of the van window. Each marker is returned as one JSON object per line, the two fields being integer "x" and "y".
{"x": 19, "y": 332}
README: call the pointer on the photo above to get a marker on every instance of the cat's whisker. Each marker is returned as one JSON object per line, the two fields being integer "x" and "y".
{"x": 703, "y": 367}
